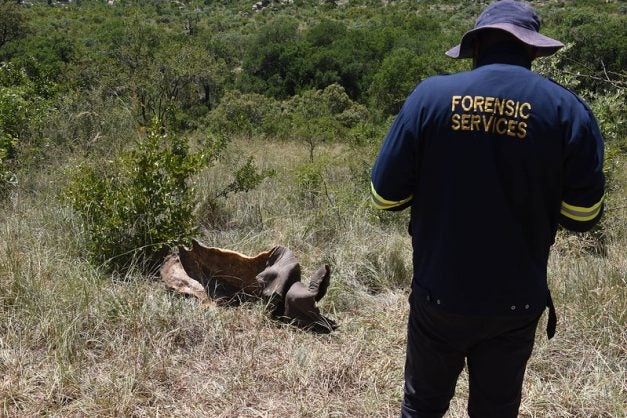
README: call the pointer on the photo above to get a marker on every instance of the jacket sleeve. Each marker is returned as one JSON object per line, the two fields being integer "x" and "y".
{"x": 393, "y": 175}
{"x": 583, "y": 189}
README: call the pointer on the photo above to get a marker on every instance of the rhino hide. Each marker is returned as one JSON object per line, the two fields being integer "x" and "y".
{"x": 229, "y": 277}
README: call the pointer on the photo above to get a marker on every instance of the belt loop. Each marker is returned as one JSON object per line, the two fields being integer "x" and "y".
{"x": 551, "y": 324}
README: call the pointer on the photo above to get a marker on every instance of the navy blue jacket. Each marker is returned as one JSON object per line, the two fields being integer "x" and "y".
{"x": 490, "y": 161}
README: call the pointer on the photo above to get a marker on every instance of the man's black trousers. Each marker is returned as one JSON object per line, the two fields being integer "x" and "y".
{"x": 496, "y": 350}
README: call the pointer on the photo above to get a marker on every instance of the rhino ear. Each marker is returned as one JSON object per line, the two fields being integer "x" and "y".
{"x": 319, "y": 282}
{"x": 301, "y": 310}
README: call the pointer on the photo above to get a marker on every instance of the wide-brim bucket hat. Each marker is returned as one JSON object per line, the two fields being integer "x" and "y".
{"x": 517, "y": 18}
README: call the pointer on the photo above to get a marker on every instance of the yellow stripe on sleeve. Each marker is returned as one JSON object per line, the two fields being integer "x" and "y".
{"x": 580, "y": 213}
{"x": 381, "y": 203}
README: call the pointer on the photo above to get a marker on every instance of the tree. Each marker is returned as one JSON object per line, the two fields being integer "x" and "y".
{"x": 270, "y": 62}
{"x": 399, "y": 73}
{"x": 320, "y": 116}
{"x": 12, "y": 22}
{"x": 597, "y": 52}
{"x": 164, "y": 76}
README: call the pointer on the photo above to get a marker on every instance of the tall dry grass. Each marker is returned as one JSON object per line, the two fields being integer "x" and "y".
{"x": 77, "y": 342}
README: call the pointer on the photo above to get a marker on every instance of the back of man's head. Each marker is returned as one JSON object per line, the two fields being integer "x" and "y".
{"x": 513, "y": 18}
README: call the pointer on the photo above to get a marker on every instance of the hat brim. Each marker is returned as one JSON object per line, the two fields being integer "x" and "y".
{"x": 544, "y": 45}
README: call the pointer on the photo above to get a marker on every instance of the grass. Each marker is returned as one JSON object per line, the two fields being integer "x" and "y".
{"x": 77, "y": 342}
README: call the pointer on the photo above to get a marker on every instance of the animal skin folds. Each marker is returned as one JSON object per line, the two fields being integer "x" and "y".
{"x": 229, "y": 277}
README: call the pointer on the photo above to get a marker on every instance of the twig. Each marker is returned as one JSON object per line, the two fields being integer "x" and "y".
{"x": 617, "y": 84}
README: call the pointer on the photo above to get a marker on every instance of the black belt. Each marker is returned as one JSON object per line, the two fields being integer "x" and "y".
{"x": 551, "y": 324}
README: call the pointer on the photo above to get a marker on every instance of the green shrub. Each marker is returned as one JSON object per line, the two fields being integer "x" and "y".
{"x": 310, "y": 181}
{"x": 14, "y": 108}
{"x": 7, "y": 177}
{"x": 20, "y": 110}
{"x": 332, "y": 101}
{"x": 246, "y": 178}
{"x": 598, "y": 54}
{"x": 134, "y": 208}
{"x": 609, "y": 109}
{"x": 247, "y": 114}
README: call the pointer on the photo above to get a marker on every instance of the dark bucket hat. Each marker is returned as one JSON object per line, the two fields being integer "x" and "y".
{"x": 514, "y": 17}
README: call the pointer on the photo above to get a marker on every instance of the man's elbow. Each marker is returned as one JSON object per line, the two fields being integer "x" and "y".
{"x": 397, "y": 208}
{"x": 390, "y": 205}
{"x": 582, "y": 220}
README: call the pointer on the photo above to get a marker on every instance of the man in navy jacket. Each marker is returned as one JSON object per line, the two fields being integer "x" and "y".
{"x": 490, "y": 161}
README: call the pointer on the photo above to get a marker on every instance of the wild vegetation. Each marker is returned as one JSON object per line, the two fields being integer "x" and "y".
{"x": 128, "y": 127}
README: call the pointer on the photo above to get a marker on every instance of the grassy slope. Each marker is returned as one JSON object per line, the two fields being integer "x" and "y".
{"x": 75, "y": 342}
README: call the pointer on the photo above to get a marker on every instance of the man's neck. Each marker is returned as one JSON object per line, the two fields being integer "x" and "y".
{"x": 505, "y": 52}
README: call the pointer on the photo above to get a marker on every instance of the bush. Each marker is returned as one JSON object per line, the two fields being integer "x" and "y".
{"x": 14, "y": 108}
{"x": 20, "y": 111}
{"x": 7, "y": 177}
{"x": 246, "y": 178}
{"x": 133, "y": 209}
{"x": 247, "y": 115}
{"x": 599, "y": 47}
{"x": 310, "y": 180}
